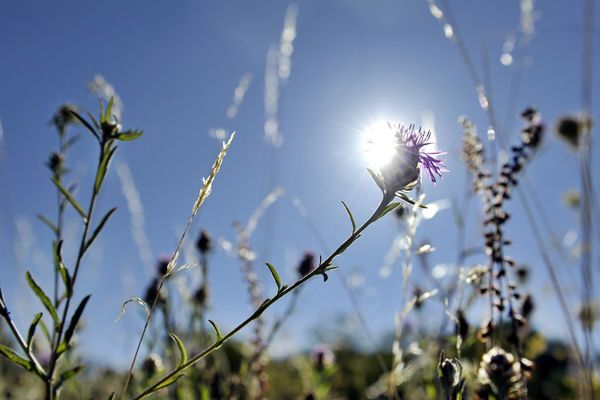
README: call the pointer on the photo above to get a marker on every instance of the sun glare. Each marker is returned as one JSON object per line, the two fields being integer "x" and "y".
{"x": 379, "y": 144}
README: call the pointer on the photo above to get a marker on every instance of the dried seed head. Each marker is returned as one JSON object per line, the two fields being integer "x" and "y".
{"x": 307, "y": 264}
{"x": 527, "y": 306}
{"x": 588, "y": 315}
{"x": 500, "y": 373}
{"x": 64, "y": 117}
{"x": 204, "y": 243}
{"x": 568, "y": 129}
{"x": 152, "y": 365}
{"x": 56, "y": 163}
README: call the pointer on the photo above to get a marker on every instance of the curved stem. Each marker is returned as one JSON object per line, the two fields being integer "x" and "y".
{"x": 320, "y": 270}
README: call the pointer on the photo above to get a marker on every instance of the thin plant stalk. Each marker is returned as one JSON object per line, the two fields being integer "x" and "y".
{"x": 50, "y": 388}
{"x": 320, "y": 270}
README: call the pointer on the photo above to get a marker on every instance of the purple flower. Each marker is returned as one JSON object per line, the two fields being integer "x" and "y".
{"x": 413, "y": 141}
{"x": 398, "y": 151}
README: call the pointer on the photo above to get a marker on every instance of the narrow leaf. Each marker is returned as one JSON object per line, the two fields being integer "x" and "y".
{"x": 66, "y": 278}
{"x": 85, "y": 123}
{"x": 112, "y": 396}
{"x": 68, "y": 374}
{"x": 351, "y": 217}
{"x": 181, "y": 347}
{"x": 129, "y": 135}
{"x": 45, "y": 330}
{"x": 75, "y": 319}
{"x": 48, "y": 223}
{"x": 167, "y": 383}
{"x": 106, "y": 117}
{"x": 102, "y": 168}
{"x": 69, "y": 196}
{"x": 409, "y": 200}
{"x": 217, "y": 330}
{"x": 275, "y": 275}
{"x": 98, "y": 228}
{"x": 378, "y": 179}
{"x": 390, "y": 207}
{"x": 43, "y": 298}
{"x": 15, "y": 358}
{"x": 32, "y": 327}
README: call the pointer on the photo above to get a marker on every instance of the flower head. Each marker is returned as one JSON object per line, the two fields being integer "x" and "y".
{"x": 404, "y": 146}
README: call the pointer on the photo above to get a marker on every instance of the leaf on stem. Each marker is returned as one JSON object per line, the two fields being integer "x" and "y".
{"x": 168, "y": 382}
{"x": 86, "y": 124}
{"x": 217, "y": 330}
{"x": 48, "y": 223}
{"x": 378, "y": 179}
{"x": 31, "y": 331}
{"x": 103, "y": 166}
{"x": 351, "y": 217}
{"x": 11, "y": 355}
{"x": 181, "y": 347}
{"x": 275, "y": 275}
{"x": 129, "y": 135}
{"x": 389, "y": 208}
{"x": 75, "y": 319}
{"x": 410, "y": 201}
{"x": 98, "y": 228}
{"x": 69, "y": 196}
{"x": 68, "y": 374}
{"x": 43, "y": 298}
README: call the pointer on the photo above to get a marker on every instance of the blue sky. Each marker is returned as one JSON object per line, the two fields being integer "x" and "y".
{"x": 176, "y": 65}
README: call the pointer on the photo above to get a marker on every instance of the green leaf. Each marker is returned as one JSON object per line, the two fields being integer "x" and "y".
{"x": 66, "y": 278}
{"x": 103, "y": 166}
{"x": 68, "y": 374}
{"x": 351, "y": 217}
{"x": 98, "y": 228}
{"x": 129, "y": 135}
{"x": 48, "y": 223}
{"x": 62, "y": 269}
{"x": 32, "y": 327}
{"x": 378, "y": 179}
{"x": 85, "y": 123}
{"x": 409, "y": 200}
{"x": 45, "y": 330}
{"x": 43, "y": 298}
{"x": 15, "y": 358}
{"x": 112, "y": 396}
{"x": 167, "y": 383}
{"x": 275, "y": 275}
{"x": 69, "y": 196}
{"x": 217, "y": 330}
{"x": 390, "y": 207}
{"x": 75, "y": 319}
{"x": 181, "y": 347}
{"x": 106, "y": 117}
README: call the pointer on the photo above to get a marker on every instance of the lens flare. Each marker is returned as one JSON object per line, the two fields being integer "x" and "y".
{"x": 380, "y": 144}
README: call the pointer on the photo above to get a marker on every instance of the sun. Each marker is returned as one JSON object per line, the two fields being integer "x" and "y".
{"x": 379, "y": 144}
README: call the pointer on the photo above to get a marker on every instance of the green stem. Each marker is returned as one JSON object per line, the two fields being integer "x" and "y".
{"x": 320, "y": 270}
{"x": 50, "y": 389}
